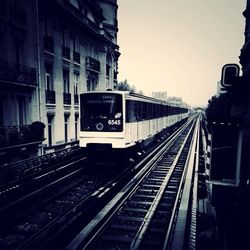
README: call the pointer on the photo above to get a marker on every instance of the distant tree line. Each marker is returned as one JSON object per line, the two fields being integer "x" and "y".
{"x": 125, "y": 86}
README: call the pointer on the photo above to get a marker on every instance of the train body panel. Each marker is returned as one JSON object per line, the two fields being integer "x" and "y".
{"x": 118, "y": 120}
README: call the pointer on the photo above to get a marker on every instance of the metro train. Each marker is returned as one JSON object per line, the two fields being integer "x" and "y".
{"x": 119, "y": 120}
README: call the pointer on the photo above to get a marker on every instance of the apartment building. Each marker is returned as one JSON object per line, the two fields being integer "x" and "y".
{"x": 52, "y": 50}
{"x": 78, "y": 41}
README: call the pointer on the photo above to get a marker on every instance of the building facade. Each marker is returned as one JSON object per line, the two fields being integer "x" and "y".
{"x": 18, "y": 76}
{"x": 160, "y": 95}
{"x": 52, "y": 50}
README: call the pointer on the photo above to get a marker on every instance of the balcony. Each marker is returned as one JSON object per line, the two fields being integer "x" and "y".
{"x": 50, "y": 96}
{"x": 108, "y": 35}
{"x": 67, "y": 98}
{"x": 79, "y": 14}
{"x": 92, "y": 64}
{"x": 48, "y": 43}
{"x": 65, "y": 52}
{"x": 13, "y": 72}
{"x": 76, "y": 99}
{"x": 92, "y": 25}
{"x": 76, "y": 56}
{"x": 15, "y": 135}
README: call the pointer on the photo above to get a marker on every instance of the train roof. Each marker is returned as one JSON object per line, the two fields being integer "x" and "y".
{"x": 137, "y": 97}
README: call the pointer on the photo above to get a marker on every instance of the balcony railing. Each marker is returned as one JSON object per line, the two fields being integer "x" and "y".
{"x": 48, "y": 43}
{"x": 66, "y": 52}
{"x": 50, "y": 96}
{"x": 76, "y": 57}
{"x": 76, "y": 99}
{"x": 78, "y": 13}
{"x": 93, "y": 25}
{"x": 108, "y": 35}
{"x": 14, "y": 135}
{"x": 10, "y": 71}
{"x": 92, "y": 64}
{"x": 67, "y": 98}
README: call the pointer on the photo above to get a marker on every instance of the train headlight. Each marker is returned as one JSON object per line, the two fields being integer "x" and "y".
{"x": 99, "y": 126}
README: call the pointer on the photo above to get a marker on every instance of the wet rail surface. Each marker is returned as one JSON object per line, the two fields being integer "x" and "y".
{"x": 142, "y": 215}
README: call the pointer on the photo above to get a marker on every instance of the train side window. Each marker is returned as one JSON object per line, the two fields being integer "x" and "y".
{"x": 158, "y": 110}
{"x": 130, "y": 111}
{"x": 127, "y": 111}
{"x": 135, "y": 110}
{"x": 161, "y": 110}
{"x": 141, "y": 110}
{"x": 147, "y": 110}
{"x": 144, "y": 110}
{"x": 139, "y": 113}
{"x": 152, "y": 110}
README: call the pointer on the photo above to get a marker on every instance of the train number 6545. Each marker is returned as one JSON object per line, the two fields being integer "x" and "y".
{"x": 114, "y": 122}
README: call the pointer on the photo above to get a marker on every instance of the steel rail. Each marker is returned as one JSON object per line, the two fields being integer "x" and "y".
{"x": 19, "y": 184}
{"x": 148, "y": 218}
{"x": 22, "y": 199}
{"x": 177, "y": 227}
{"x": 84, "y": 238}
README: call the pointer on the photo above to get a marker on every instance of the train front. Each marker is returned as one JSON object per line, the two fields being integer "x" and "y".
{"x": 102, "y": 121}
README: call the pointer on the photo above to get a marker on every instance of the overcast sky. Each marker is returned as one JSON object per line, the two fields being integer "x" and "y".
{"x": 179, "y": 46}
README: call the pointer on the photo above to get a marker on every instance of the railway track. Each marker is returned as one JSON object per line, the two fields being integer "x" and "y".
{"x": 144, "y": 214}
{"x": 35, "y": 173}
{"x": 32, "y": 188}
{"x": 79, "y": 200}
{"x": 26, "y": 224}
{"x": 16, "y": 170}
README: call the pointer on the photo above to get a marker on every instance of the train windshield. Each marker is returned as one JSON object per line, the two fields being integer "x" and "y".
{"x": 101, "y": 112}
